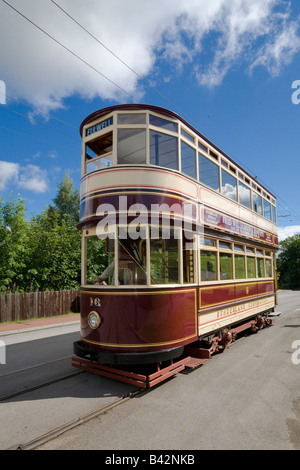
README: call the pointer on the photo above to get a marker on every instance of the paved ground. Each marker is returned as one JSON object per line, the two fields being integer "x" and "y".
{"x": 38, "y": 323}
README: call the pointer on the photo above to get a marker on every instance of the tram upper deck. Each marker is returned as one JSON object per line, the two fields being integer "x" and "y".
{"x": 146, "y": 149}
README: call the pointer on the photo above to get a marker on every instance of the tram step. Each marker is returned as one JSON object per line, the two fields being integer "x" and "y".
{"x": 195, "y": 362}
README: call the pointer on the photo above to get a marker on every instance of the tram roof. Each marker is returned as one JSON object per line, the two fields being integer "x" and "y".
{"x": 166, "y": 112}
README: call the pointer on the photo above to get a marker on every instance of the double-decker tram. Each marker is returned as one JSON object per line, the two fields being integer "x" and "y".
{"x": 178, "y": 241}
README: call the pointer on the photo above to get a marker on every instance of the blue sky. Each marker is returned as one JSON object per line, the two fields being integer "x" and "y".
{"x": 227, "y": 67}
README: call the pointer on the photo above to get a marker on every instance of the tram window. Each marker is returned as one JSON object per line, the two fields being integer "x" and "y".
{"x": 207, "y": 242}
{"x": 208, "y": 172}
{"x": 267, "y": 209}
{"x": 257, "y": 204}
{"x": 98, "y": 163}
{"x": 139, "y": 118}
{"x": 239, "y": 265}
{"x": 244, "y": 195}
{"x": 226, "y": 271}
{"x": 101, "y": 145}
{"x": 189, "y": 256}
{"x": 201, "y": 146}
{"x": 274, "y": 214}
{"x": 238, "y": 248}
{"x": 164, "y": 261}
{"x": 268, "y": 268}
{"x": 187, "y": 135}
{"x": 229, "y": 185}
{"x": 260, "y": 267}
{"x": 224, "y": 245}
{"x": 163, "y": 150}
{"x": 188, "y": 160}
{"x": 208, "y": 265}
{"x": 251, "y": 267}
{"x": 131, "y": 146}
{"x": 164, "y": 123}
{"x": 132, "y": 261}
{"x": 99, "y": 260}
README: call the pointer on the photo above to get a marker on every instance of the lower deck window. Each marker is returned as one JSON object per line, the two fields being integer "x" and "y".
{"x": 251, "y": 267}
{"x": 164, "y": 266}
{"x": 208, "y": 265}
{"x": 226, "y": 271}
{"x": 239, "y": 264}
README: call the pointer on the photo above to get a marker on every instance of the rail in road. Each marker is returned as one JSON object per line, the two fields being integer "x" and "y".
{"x": 47, "y": 398}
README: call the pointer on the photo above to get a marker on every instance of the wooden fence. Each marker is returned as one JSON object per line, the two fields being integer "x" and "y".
{"x": 17, "y": 307}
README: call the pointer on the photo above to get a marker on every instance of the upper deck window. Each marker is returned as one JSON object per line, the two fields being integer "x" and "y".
{"x": 131, "y": 146}
{"x": 99, "y": 153}
{"x": 188, "y": 160}
{"x": 244, "y": 195}
{"x": 164, "y": 123}
{"x": 267, "y": 209}
{"x": 257, "y": 203}
{"x": 229, "y": 187}
{"x": 132, "y": 118}
{"x": 187, "y": 135}
{"x": 208, "y": 172}
{"x": 163, "y": 150}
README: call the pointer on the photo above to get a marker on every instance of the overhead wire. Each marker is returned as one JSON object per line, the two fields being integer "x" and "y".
{"x": 145, "y": 81}
{"x": 104, "y": 76}
{"x": 67, "y": 49}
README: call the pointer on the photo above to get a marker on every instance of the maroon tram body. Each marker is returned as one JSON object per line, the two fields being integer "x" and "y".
{"x": 185, "y": 236}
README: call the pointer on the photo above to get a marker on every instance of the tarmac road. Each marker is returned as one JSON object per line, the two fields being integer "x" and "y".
{"x": 246, "y": 398}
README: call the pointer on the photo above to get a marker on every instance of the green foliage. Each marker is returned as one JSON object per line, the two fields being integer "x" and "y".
{"x": 45, "y": 252}
{"x": 288, "y": 263}
{"x": 14, "y": 236}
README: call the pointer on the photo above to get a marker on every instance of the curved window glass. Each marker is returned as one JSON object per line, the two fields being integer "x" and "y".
{"x": 267, "y": 209}
{"x": 244, "y": 195}
{"x": 229, "y": 188}
{"x": 163, "y": 150}
{"x": 131, "y": 146}
{"x": 164, "y": 123}
{"x": 257, "y": 204}
{"x": 208, "y": 172}
{"x": 188, "y": 161}
{"x": 132, "y": 118}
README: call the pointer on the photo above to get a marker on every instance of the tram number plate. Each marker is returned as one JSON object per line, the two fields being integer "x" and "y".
{"x": 95, "y": 302}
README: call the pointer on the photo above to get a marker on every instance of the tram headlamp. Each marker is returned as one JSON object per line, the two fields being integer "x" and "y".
{"x": 94, "y": 320}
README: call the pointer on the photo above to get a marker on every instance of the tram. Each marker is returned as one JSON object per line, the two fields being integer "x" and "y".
{"x": 178, "y": 241}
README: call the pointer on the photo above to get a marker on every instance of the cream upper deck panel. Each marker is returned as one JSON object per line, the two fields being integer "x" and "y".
{"x": 126, "y": 135}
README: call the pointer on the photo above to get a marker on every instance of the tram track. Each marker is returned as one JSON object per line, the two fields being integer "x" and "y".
{"x": 56, "y": 432}
{"x": 38, "y": 386}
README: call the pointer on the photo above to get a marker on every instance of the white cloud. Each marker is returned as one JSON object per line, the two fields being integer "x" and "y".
{"x": 212, "y": 36}
{"x": 8, "y": 172}
{"x": 29, "y": 177}
{"x": 288, "y": 231}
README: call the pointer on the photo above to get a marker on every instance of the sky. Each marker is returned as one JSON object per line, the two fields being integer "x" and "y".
{"x": 229, "y": 68}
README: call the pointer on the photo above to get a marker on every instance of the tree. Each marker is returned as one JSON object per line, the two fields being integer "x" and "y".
{"x": 67, "y": 200}
{"x": 14, "y": 236}
{"x": 55, "y": 252}
{"x": 288, "y": 263}
{"x": 55, "y": 243}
